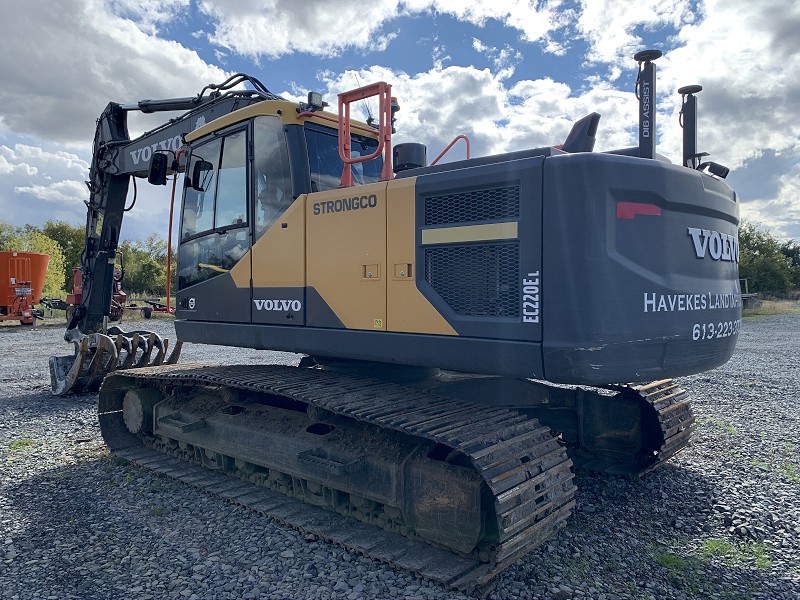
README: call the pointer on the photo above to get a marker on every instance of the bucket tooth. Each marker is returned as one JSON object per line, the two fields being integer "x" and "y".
{"x": 63, "y": 376}
{"x": 124, "y": 344}
{"x": 160, "y": 345}
{"x": 145, "y": 358}
{"x": 176, "y": 353}
{"x": 103, "y": 361}
{"x": 129, "y": 360}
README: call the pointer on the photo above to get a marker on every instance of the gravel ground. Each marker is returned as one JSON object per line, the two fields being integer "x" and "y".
{"x": 721, "y": 520}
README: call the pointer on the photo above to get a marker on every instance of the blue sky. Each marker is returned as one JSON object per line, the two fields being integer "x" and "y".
{"x": 510, "y": 75}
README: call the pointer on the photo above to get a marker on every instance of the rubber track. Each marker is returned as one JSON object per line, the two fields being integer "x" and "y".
{"x": 522, "y": 464}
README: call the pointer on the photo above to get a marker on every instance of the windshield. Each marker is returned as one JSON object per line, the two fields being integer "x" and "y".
{"x": 326, "y": 166}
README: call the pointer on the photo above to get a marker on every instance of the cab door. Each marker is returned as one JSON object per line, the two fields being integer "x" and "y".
{"x": 278, "y": 255}
{"x": 214, "y": 268}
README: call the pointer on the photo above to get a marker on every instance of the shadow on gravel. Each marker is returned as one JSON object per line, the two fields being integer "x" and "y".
{"x": 67, "y": 541}
{"x": 92, "y": 528}
{"x": 23, "y": 400}
{"x": 100, "y": 528}
{"x": 655, "y": 535}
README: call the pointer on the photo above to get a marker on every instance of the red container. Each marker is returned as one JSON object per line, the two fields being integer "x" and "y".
{"x": 21, "y": 282}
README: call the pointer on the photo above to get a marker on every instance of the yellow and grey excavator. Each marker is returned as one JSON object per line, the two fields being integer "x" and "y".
{"x": 433, "y": 303}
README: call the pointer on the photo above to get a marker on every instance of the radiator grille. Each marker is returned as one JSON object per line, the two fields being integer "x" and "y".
{"x": 473, "y": 206}
{"x": 476, "y": 280}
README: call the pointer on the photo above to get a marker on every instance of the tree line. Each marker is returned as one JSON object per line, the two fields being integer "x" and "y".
{"x": 144, "y": 261}
{"x": 771, "y": 267}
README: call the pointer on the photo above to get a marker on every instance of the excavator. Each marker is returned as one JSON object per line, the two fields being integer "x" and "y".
{"x": 472, "y": 332}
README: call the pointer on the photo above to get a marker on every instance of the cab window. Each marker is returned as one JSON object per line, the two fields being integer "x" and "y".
{"x": 326, "y": 166}
{"x": 214, "y": 233}
{"x": 273, "y": 182}
{"x": 218, "y": 197}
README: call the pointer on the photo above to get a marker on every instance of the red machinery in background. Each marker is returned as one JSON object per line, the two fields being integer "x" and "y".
{"x": 21, "y": 282}
{"x": 119, "y": 299}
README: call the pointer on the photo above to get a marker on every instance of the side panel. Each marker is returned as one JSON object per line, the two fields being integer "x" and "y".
{"x": 496, "y": 357}
{"x": 627, "y": 293}
{"x": 279, "y": 270}
{"x": 217, "y": 299}
{"x": 407, "y": 309}
{"x": 346, "y": 256}
{"x": 479, "y": 247}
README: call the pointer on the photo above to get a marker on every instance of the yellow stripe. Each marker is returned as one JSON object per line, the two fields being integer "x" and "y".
{"x": 471, "y": 233}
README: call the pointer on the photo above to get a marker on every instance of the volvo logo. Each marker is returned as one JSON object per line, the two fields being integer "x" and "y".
{"x": 280, "y": 305}
{"x": 719, "y": 246}
{"x": 146, "y": 153}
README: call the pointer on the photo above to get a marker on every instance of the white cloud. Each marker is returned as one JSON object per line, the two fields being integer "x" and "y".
{"x": 273, "y": 28}
{"x": 83, "y": 57}
{"x": 781, "y": 213}
{"x": 58, "y": 162}
{"x": 497, "y": 116}
{"x": 57, "y": 192}
{"x": 610, "y": 27}
{"x": 535, "y": 21}
{"x": 41, "y": 184}
{"x": 149, "y": 15}
{"x": 504, "y": 59}
{"x": 742, "y": 56}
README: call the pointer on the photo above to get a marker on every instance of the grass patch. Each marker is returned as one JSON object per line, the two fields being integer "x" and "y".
{"x": 717, "y": 424}
{"x": 685, "y": 572}
{"x": 688, "y": 569}
{"x": 790, "y": 472}
{"x": 676, "y": 565}
{"x": 21, "y": 445}
{"x": 770, "y": 308}
{"x": 734, "y": 554}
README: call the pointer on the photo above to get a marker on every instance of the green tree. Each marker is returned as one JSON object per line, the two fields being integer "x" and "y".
{"x": 791, "y": 249}
{"x": 72, "y": 240}
{"x": 156, "y": 247}
{"x": 7, "y": 232}
{"x": 762, "y": 261}
{"x": 145, "y": 266}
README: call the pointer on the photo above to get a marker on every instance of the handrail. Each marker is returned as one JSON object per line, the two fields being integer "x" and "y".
{"x": 384, "y": 92}
{"x": 450, "y": 145}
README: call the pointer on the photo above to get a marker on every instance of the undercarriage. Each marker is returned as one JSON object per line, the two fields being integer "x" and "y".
{"x": 470, "y": 472}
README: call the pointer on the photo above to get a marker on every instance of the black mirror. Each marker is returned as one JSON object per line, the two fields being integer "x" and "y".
{"x": 200, "y": 174}
{"x": 158, "y": 169}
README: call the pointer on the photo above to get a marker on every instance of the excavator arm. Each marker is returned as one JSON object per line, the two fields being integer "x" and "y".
{"x": 116, "y": 159}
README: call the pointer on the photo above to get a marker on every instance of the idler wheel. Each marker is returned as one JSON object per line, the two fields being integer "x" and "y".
{"x": 137, "y": 409}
